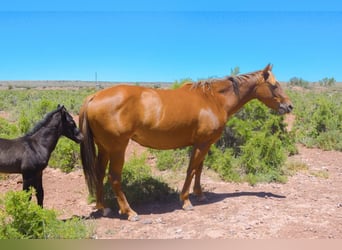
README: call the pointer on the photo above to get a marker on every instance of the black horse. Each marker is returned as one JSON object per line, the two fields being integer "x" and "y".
{"x": 30, "y": 154}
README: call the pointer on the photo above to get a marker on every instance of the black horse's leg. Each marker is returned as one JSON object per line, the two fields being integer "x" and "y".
{"x": 28, "y": 181}
{"x": 34, "y": 180}
{"x": 38, "y": 185}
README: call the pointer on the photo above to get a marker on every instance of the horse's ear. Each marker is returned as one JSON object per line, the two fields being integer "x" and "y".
{"x": 268, "y": 68}
{"x": 266, "y": 71}
{"x": 60, "y": 107}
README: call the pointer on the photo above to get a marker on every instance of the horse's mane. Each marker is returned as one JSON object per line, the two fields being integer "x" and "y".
{"x": 41, "y": 123}
{"x": 236, "y": 81}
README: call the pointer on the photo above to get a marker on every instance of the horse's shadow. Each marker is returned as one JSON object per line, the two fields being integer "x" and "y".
{"x": 172, "y": 203}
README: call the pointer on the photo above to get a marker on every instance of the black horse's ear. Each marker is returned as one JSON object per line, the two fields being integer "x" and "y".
{"x": 60, "y": 106}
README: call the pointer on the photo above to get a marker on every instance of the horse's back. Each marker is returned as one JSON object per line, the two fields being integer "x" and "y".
{"x": 11, "y": 152}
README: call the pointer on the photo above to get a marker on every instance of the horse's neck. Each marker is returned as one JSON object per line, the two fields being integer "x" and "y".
{"x": 235, "y": 101}
{"x": 48, "y": 135}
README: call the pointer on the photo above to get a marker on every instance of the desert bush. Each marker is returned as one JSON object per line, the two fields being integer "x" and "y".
{"x": 171, "y": 159}
{"x": 224, "y": 163}
{"x": 22, "y": 219}
{"x": 327, "y": 82}
{"x": 253, "y": 147}
{"x": 66, "y": 155}
{"x": 297, "y": 81}
{"x": 138, "y": 184}
{"x": 8, "y": 130}
{"x": 318, "y": 119}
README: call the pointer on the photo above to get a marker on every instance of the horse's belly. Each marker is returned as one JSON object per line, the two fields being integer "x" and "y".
{"x": 162, "y": 140}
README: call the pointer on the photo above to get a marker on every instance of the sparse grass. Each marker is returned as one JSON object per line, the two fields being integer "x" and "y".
{"x": 323, "y": 174}
{"x": 293, "y": 166}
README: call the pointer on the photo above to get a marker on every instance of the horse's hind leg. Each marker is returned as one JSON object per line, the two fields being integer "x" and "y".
{"x": 197, "y": 186}
{"x": 101, "y": 165}
{"x": 115, "y": 169}
{"x": 34, "y": 180}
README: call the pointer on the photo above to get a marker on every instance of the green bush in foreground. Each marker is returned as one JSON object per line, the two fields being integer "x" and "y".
{"x": 22, "y": 219}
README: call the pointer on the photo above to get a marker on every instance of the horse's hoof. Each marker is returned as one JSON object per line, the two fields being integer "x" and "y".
{"x": 188, "y": 207}
{"x": 133, "y": 218}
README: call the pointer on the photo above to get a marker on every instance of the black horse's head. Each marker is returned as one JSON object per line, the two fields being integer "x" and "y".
{"x": 69, "y": 127}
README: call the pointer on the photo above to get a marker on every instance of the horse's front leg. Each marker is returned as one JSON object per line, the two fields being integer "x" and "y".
{"x": 29, "y": 180}
{"x": 38, "y": 185}
{"x": 195, "y": 168}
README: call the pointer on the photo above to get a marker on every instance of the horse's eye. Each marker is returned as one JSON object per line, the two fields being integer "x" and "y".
{"x": 273, "y": 86}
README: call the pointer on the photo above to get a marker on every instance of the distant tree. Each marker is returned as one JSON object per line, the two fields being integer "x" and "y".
{"x": 235, "y": 71}
{"x": 297, "y": 81}
{"x": 327, "y": 82}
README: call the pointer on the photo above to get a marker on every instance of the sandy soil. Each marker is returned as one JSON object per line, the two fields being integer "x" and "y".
{"x": 308, "y": 206}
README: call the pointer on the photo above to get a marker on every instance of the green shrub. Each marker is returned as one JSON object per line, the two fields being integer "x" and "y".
{"x": 138, "y": 184}
{"x": 263, "y": 156}
{"x": 253, "y": 147}
{"x": 23, "y": 219}
{"x": 224, "y": 163}
{"x": 327, "y": 82}
{"x": 30, "y": 117}
{"x": 297, "y": 81}
{"x": 66, "y": 155}
{"x": 171, "y": 159}
{"x": 318, "y": 119}
{"x": 8, "y": 130}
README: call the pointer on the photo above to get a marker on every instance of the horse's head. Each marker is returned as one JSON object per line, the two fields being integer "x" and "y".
{"x": 269, "y": 91}
{"x": 69, "y": 128}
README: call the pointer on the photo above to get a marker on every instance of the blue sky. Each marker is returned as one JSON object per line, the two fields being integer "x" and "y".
{"x": 168, "y": 40}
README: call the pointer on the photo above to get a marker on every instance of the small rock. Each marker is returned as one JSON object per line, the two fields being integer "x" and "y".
{"x": 147, "y": 221}
{"x": 160, "y": 221}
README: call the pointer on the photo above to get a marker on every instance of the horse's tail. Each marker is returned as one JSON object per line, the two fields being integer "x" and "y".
{"x": 88, "y": 151}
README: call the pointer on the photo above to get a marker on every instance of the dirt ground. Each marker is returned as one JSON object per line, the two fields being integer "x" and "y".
{"x": 308, "y": 206}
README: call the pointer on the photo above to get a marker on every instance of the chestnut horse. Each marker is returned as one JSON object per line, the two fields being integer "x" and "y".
{"x": 193, "y": 115}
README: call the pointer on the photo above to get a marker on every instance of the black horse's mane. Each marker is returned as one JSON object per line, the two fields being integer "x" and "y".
{"x": 41, "y": 123}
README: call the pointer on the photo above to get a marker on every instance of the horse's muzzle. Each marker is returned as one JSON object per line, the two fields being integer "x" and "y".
{"x": 78, "y": 137}
{"x": 285, "y": 108}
